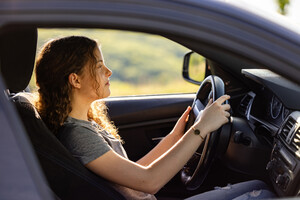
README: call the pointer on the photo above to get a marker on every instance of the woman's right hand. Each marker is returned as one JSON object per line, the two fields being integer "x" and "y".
{"x": 214, "y": 115}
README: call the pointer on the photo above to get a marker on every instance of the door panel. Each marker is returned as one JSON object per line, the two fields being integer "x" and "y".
{"x": 143, "y": 120}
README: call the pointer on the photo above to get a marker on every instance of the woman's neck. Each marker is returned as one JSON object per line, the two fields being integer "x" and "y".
{"x": 79, "y": 109}
{"x": 79, "y": 115}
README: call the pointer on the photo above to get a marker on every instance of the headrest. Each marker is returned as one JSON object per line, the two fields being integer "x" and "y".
{"x": 17, "y": 56}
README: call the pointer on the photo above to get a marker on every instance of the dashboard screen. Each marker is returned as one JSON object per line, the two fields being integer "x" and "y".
{"x": 267, "y": 107}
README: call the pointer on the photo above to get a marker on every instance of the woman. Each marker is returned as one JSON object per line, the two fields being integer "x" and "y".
{"x": 71, "y": 74}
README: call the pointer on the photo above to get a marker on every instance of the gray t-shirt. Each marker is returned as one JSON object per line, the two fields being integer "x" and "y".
{"x": 87, "y": 141}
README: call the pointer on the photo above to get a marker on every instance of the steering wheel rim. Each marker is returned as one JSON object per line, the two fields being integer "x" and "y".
{"x": 194, "y": 172}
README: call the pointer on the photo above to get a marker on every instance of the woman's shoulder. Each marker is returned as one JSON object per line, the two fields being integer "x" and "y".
{"x": 82, "y": 140}
{"x": 79, "y": 133}
{"x": 77, "y": 129}
{"x": 72, "y": 124}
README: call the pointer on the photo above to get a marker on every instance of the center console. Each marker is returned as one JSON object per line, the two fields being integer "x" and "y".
{"x": 284, "y": 165}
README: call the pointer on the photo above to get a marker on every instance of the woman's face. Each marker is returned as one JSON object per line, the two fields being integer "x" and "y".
{"x": 100, "y": 88}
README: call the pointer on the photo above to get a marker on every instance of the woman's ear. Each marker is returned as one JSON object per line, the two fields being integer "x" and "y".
{"x": 74, "y": 80}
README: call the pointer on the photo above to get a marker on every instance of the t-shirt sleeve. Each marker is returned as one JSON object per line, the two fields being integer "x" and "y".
{"x": 83, "y": 143}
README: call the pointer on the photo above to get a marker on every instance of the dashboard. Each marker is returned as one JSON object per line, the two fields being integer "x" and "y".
{"x": 274, "y": 105}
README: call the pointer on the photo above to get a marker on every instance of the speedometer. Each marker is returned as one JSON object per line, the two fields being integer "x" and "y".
{"x": 276, "y": 106}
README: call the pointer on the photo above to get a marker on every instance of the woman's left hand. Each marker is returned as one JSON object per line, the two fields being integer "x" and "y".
{"x": 178, "y": 130}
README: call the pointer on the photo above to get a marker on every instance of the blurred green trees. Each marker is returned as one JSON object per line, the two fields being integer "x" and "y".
{"x": 282, "y": 6}
{"x": 141, "y": 63}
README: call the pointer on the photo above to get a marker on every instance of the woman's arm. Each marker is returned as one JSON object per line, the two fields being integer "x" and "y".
{"x": 167, "y": 142}
{"x": 150, "y": 179}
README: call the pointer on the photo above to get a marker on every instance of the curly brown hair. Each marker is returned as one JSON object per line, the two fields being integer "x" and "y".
{"x": 56, "y": 61}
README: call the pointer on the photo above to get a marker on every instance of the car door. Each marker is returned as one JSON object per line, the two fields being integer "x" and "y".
{"x": 144, "y": 120}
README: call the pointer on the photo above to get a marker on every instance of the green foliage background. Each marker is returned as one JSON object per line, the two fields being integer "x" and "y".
{"x": 141, "y": 63}
{"x": 282, "y": 6}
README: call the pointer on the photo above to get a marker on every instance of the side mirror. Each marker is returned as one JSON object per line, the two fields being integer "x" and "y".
{"x": 194, "y": 68}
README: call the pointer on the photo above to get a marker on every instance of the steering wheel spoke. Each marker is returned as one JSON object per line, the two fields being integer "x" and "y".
{"x": 198, "y": 107}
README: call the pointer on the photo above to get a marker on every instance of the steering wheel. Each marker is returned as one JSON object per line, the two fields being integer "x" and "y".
{"x": 194, "y": 172}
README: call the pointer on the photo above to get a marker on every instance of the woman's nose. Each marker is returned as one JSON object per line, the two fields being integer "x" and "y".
{"x": 108, "y": 72}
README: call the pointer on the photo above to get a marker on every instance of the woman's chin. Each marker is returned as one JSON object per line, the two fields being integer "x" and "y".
{"x": 107, "y": 94}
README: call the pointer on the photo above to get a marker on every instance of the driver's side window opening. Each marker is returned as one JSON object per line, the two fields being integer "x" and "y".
{"x": 142, "y": 64}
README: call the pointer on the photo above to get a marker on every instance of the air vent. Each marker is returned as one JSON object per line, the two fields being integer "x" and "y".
{"x": 296, "y": 140}
{"x": 287, "y": 128}
{"x": 290, "y": 132}
{"x": 246, "y": 104}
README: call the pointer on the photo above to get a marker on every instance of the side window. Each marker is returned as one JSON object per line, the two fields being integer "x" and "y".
{"x": 142, "y": 64}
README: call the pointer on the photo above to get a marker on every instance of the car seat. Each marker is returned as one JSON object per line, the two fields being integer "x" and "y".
{"x": 66, "y": 176}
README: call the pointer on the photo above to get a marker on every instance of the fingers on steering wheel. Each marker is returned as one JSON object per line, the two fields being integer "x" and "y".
{"x": 223, "y": 98}
{"x": 227, "y": 114}
{"x": 209, "y": 102}
{"x": 226, "y": 107}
